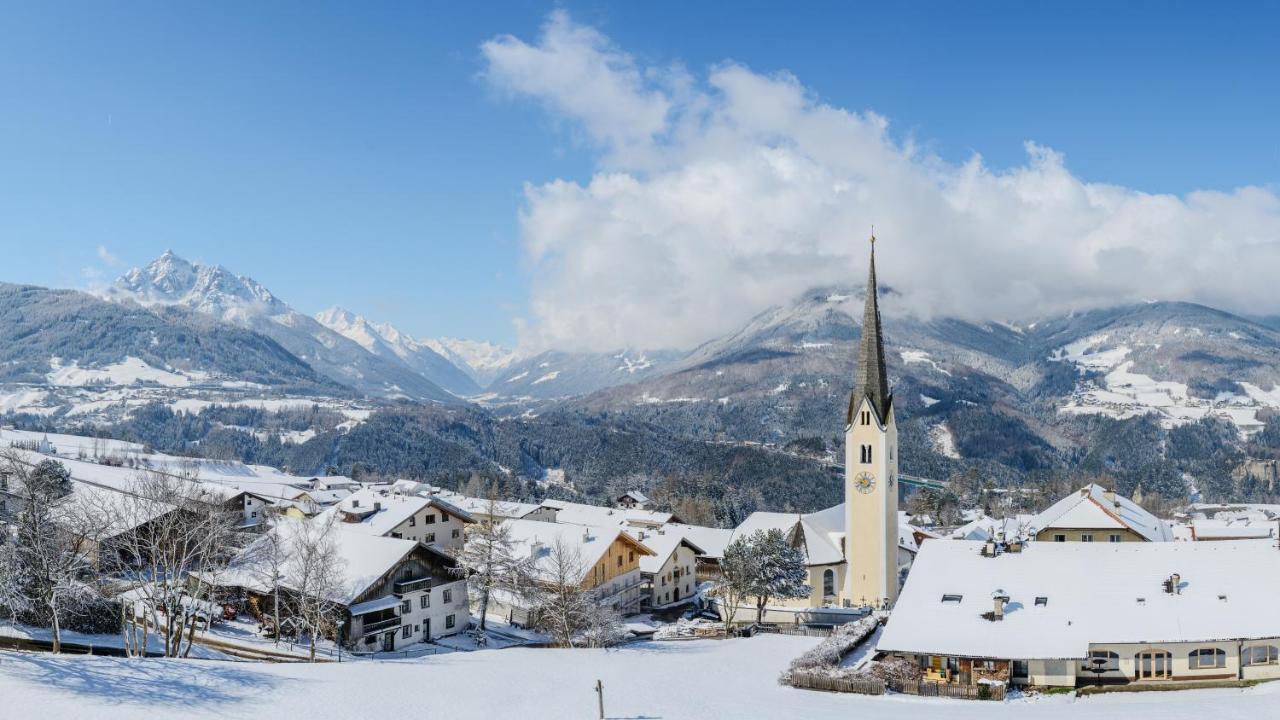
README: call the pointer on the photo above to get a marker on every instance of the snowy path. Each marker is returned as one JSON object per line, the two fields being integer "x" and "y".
{"x": 668, "y": 681}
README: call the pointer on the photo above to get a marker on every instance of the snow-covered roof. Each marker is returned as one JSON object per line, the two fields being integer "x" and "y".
{"x": 635, "y": 495}
{"x": 481, "y": 506}
{"x": 365, "y": 558}
{"x": 822, "y": 532}
{"x": 1093, "y": 507}
{"x": 379, "y": 512}
{"x": 1094, "y": 593}
{"x": 663, "y": 543}
{"x": 535, "y": 538}
{"x": 581, "y": 514}
{"x": 713, "y": 541}
{"x": 984, "y": 527}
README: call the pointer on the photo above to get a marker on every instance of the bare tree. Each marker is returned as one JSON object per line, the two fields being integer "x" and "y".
{"x": 564, "y": 609}
{"x": 175, "y": 538}
{"x": 316, "y": 574}
{"x": 490, "y": 562}
{"x": 53, "y": 541}
{"x": 268, "y": 565}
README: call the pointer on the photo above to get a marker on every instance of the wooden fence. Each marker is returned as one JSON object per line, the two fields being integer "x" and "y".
{"x": 872, "y": 686}
{"x": 814, "y": 681}
{"x": 927, "y": 688}
{"x": 799, "y": 630}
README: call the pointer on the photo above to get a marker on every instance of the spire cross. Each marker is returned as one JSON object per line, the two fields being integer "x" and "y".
{"x": 873, "y": 236}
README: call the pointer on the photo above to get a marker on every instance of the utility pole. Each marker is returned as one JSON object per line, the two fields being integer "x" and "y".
{"x": 600, "y": 697}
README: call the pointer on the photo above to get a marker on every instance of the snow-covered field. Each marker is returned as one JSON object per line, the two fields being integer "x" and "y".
{"x": 1126, "y": 394}
{"x": 695, "y": 679}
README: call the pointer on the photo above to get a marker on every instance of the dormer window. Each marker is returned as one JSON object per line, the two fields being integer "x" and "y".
{"x": 1042, "y": 601}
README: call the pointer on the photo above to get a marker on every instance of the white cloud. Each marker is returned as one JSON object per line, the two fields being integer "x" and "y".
{"x": 715, "y": 198}
{"x": 105, "y": 256}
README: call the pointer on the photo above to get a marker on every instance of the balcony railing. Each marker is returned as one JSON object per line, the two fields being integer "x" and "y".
{"x": 373, "y": 627}
{"x": 407, "y": 586}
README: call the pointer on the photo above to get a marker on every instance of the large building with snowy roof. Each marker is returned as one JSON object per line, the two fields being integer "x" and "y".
{"x": 1061, "y": 614}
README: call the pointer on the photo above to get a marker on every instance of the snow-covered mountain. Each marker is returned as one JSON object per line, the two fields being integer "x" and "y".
{"x": 386, "y": 341}
{"x": 484, "y": 361}
{"x": 169, "y": 280}
{"x": 555, "y": 374}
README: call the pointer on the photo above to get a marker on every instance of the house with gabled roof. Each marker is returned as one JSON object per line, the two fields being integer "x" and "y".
{"x": 394, "y": 592}
{"x": 1095, "y": 514}
{"x": 427, "y": 519}
{"x": 668, "y": 577}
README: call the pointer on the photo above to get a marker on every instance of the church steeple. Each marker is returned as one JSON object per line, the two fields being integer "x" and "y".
{"x": 870, "y": 379}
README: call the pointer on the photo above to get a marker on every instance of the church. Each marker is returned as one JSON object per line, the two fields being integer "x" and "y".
{"x": 856, "y": 550}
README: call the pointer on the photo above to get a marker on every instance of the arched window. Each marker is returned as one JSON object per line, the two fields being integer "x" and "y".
{"x": 1261, "y": 655}
{"x": 828, "y": 582}
{"x": 864, "y": 454}
{"x": 1205, "y": 658}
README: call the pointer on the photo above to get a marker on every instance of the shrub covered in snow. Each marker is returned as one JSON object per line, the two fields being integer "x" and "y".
{"x": 825, "y": 657}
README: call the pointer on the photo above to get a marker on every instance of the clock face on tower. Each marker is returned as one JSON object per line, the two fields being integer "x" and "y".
{"x": 865, "y": 482}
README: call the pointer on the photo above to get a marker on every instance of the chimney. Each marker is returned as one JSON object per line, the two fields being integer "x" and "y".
{"x": 989, "y": 548}
{"x": 998, "y": 598}
{"x": 1110, "y": 495}
{"x": 355, "y": 502}
{"x": 1175, "y": 580}
{"x": 377, "y": 507}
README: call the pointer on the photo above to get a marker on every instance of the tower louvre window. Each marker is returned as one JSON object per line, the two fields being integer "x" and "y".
{"x": 864, "y": 454}
{"x": 866, "y": 417}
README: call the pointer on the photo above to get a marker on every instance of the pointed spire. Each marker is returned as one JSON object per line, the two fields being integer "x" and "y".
{"x": 870, "y": 378}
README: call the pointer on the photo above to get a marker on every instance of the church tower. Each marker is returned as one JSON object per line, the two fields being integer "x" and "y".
{"x": 871, "y": 469}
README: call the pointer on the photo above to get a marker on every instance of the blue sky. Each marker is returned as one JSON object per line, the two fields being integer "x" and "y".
{"x": 355, "y": 154}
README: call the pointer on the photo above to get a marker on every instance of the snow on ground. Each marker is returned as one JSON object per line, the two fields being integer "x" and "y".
{"x": 920, "y": 356}
{"x": 943, "y": 441}
{"x": 697, "y": 679}
{"x": 547, "y": 378}
{"x": 1125, "y": 393}
{"x": 127, "y": 372}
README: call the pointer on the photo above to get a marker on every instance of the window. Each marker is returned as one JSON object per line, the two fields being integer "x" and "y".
{"x": 405, "y": 607}
{"x": 447, "y": 596}
{"x": 1102, "y": 660}
{"x": 448, "y": 621}
{"x": 1113, "y": 537}
{"x": 1059, "y": 538}
{"x": 1208, "y": 658}
{"x": 430, "y": 538}
{"x": 864, "y": 454}
{"x": 425, "y": 601}
{"x": 406, "y": 632}
{"x": 456, "y": 534}
{"x": 828, "y": 582}
{"x": 866, "y": 417}
{"x": 395, "y": 535}
{"x": 248, "y": 501}
{"x": 1086, "y": 537}
{"x": 253, "y": 514}
{"x": 619, "y": 560}
{"x": 413, "y": 520}
{"x": 430, "y": 519}
{"x": 1042, "y": 601}
{"x": 1262, "y": 655}
{"x": 952, "y": 598}
{"x": 632, "y": 556}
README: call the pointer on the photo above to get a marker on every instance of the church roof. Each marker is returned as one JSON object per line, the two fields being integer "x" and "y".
{"x": 871, "y": 380}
